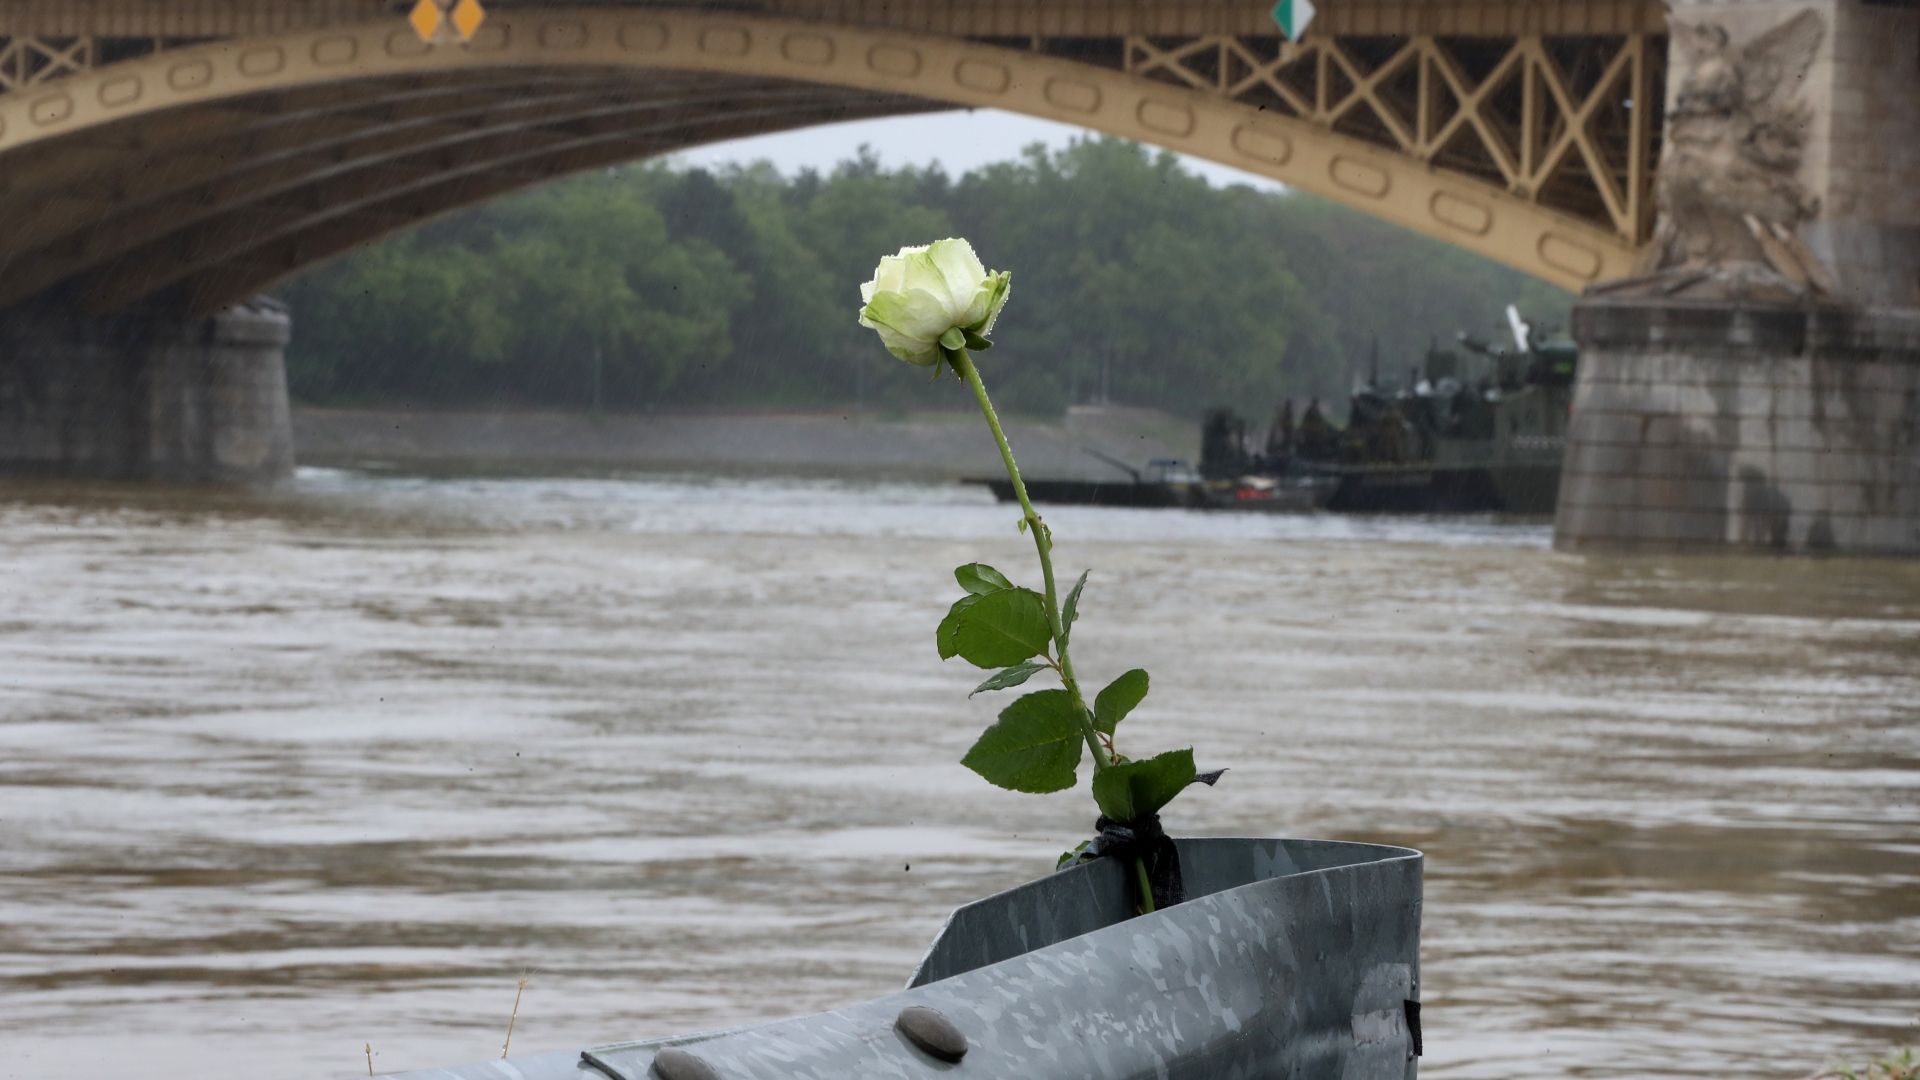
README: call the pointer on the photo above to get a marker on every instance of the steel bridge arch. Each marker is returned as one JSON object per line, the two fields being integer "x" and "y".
{"x": 257, "y": 186}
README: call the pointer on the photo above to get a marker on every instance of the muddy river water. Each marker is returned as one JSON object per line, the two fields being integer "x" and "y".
{"x": 286, "y": 776}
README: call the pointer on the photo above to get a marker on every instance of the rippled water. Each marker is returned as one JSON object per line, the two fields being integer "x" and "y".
{"x": 282, "y": 776}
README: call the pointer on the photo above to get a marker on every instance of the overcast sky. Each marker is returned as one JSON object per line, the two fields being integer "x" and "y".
{"x": 959, "y": 141}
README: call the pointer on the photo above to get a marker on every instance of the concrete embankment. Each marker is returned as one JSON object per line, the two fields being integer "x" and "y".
{"x": 927, "y": 444}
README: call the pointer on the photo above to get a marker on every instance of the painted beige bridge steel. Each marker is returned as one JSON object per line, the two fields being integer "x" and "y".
{"x": 190, "y": 153}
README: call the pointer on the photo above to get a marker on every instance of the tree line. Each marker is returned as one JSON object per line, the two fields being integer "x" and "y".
{"x": 1134, "y": 282}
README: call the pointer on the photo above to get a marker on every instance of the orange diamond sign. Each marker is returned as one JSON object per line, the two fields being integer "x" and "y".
{"x": 467, "y": 17}
{"x": 427, "y": 20}
{"x": 447, "y": 20}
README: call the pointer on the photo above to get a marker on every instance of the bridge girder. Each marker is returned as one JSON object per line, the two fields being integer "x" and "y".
{"x": 199, "y": 175}
{"x": 1027, "y": 19}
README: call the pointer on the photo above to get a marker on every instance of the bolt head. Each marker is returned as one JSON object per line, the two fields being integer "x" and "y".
{"x": 932, "y": 1032}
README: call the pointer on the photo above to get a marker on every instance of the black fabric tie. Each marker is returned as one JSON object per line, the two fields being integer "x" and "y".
{"x": 1141, "y": 839}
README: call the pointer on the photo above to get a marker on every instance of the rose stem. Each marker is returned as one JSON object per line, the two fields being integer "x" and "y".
{"x": 1146, "y": 887}
{"x": 1042, "y": 543}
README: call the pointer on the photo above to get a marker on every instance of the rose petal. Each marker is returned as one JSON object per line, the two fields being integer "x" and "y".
{"x": 923, "y": 273}
{"x": 910, "y": 324}
{"x": 977, "y": 308}
{"x": 890, "y": 275}
{"x": 958, "y": 266}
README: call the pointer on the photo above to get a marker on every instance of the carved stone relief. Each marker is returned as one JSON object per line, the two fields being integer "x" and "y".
{"x": 1730, "y": 194}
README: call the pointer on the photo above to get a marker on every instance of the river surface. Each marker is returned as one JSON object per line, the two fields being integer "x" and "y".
{"x": 286, "y": 776}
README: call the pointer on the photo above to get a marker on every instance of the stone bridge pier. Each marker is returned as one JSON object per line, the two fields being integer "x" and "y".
{"x": 146, "y": 395}
{"x": 1700, "y": 426}
{"x": 1758, "y": 416}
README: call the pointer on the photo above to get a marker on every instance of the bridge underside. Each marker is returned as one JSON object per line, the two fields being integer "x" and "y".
{"x": 208, "y": 204}
{"x": 188, "y": 177}
{"x": 150, "y": 183}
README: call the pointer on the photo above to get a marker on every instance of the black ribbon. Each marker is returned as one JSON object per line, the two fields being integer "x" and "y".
{"x": 1141, "y": 839}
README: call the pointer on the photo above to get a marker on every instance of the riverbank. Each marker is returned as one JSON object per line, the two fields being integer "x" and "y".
{"x": 934, "y": 445}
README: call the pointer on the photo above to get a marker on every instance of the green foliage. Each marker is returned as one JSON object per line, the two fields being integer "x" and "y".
{"x": 1132, "y": 790}
{"x": 1007, "y": 678}
{"x": 1120, "y": 697}
{"x": 1034, "y": 747}
{"x": 1070, "y": 611}
{"x": 647, "y": 285}
{"x": 947, "y": 635}
{"x": 1899, "y": 1065}
{"x": 578, "y": 294}
{"x": 996, "y": 629}
{"x": 980, "y": 579}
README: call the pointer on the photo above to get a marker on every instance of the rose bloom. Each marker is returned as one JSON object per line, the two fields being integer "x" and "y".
{"x": 930, "y": 298}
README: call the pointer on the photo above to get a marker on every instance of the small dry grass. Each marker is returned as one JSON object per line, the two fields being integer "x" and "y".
{"x": 519, "y": 989}
{"x": 519, "y": 992}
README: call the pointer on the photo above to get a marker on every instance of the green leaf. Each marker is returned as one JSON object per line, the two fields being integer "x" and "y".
{"x": 947, "y": 636}
{"x": 1000, "y": 628}
{"x": 1071, "y": 610}
{"x": 1034, "y": 747}
{"x": 1118, "y": 699}
{"x": 954, "y": 339}
{"x": 1010, "y": 677}
{"x": 1136, "y": 789}
{"x": 978, "y": 343}
{"x": 981, "y": 579}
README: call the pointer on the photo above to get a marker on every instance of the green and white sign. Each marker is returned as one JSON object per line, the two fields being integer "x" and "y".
{"x": 1293, "y": 17}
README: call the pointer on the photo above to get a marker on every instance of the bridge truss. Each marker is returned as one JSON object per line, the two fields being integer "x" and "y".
{"x": 191, "y": 152}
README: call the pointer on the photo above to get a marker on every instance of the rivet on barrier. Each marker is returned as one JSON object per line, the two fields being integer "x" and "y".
{"x": 673, "y": 1063}
{"x": 931, "y": 1031}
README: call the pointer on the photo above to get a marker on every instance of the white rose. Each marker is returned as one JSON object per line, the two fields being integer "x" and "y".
{"x": 933, "y": 297}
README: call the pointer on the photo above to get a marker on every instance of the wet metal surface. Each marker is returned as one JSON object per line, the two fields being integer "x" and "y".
{"x": 1299, "y": 965}
{"x": 281, "y": 779}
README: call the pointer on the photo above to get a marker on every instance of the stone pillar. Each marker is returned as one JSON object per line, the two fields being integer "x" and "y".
{"x": 1703, "y": 425}
{"x": 143, "y": 395}
{"x": 1864, "y": 152}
